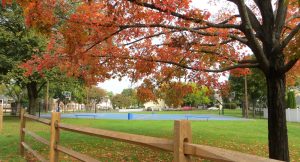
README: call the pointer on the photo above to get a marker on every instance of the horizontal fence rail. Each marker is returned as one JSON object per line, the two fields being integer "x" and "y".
{"x": 76, "y": 155}
{"x": 218, "y": 154}
{"x": 153, "y": 142}
{"x": 34, "y": 153}
{"x": 37, "y": 137}
{"x": 41, "y": 120}
{"x": 181, "y": 145}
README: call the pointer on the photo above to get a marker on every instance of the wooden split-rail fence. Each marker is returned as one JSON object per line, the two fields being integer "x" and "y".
{"x": 181, "y": 145}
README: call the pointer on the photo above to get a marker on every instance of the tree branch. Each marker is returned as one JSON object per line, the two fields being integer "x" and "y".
{"x": 10, "y": 92}
{"x": 254, "y": 22}
{"x": 265, "y": 8}
{"x": 247, "y": 62}
{"x": 235, "y": 37}
{"x": 92, "y": 46}
{"x": 286, "y": 41}
{"x": 280, "y": 18}
{"x": 253, "y": 42}
{"x": 226, "y": 57}
{"x": 221, "y": 43}
{"x": 167, "y": 27}
{"x": 230, "y": 18}
{"x": 185, "y": 66}
{"x": 295, "y": 16}
{"x": 150, "y": 36}
{"x": 138, "y": 25}
{"x": 289, "y": 65}
{"x": 40, "y": 88}
{"x": 184, "y": 17}
{"x": 170, "y": 73}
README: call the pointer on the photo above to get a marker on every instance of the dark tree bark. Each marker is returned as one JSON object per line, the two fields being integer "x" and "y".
{"x": 16, "y": 107}
{"x": 253, "y": 108}
{"x": 19, "y": 106}
{"x": 243, "y": 109}
{"x": 278, "y": 138}
{"x": 33, "y": 97}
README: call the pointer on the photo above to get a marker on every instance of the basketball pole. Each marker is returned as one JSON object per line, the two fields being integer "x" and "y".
{"x": 1, "y": 116}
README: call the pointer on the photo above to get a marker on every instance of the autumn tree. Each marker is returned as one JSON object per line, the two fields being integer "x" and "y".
{"x": 147, "y": 92}
{"x": 173, "y": 93}
{"x": 293, "y": 76}
{"x": 95, "y": 95}
{"x": 178, "y": 41}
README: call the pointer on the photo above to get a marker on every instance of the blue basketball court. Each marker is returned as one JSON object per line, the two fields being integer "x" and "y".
{"x": 133, "y": 116}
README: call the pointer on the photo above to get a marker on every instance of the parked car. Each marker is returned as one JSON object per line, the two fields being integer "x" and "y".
{"x": 213, "y": 108}
{"x": 186, "y": 108}
{"x": 149, "y": 109}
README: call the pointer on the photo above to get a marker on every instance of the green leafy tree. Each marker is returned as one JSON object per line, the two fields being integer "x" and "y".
{"x": 132, "y": 95}
{"x": 120, "y": 101}
{"x": 197, "y": 96}
{"x": 14, "y": 83}
{"x": 291, "y": 100}
{"x": 18, "y": 44}
{"x": 256, "y": 84}
{"x": 63, "y": 83}
{"x": 110, "y": 94}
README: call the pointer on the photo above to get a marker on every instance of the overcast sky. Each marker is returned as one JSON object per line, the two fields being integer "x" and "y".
{"x": 116, "y": 86}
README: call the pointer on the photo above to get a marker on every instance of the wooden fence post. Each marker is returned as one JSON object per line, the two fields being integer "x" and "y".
{"x": 22, "y": 133}
{"x": 54, "y": 136}
{"x": 182, "y": 133}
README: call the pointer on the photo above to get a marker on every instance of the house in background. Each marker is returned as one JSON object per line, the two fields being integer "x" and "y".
{"x": 155, "y": 106}
{"x": 296, "y": 89}
{"x": 297, "y": 96}
{"x": 74, "y": 106}
{"x": 104, "y": 104}
{"x": 298, "y": 101}
{"x": 6, "y": 104}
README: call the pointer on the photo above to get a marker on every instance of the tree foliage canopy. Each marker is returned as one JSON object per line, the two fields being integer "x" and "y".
{"x": 113, "y": 38}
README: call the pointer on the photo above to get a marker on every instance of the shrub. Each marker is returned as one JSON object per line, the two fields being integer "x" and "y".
{"x": 230, "y": 105}
{"x": 291, "y": 101}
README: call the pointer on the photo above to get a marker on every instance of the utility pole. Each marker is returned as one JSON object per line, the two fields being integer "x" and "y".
{"x": 87, "y": 99}
{"x": 1, "y": 115}
{"x": 246, "y": 97}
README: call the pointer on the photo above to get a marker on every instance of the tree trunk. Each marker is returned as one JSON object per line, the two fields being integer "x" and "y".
{"x": 253, "y": 108}
{"x": 33, "y": 97}
{"x": 19, "y": 106}
{"x": 278, "y": 139}
{"x": 13, "y": 109}
{"x": 47, "y": 98}
{"x": 246, "y": 98}
{"x": 243, "y": 108}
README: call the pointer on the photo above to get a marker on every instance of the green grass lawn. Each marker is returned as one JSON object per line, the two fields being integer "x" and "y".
{"x": 227, "y": 112}
{"x": 244, "y": 136}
